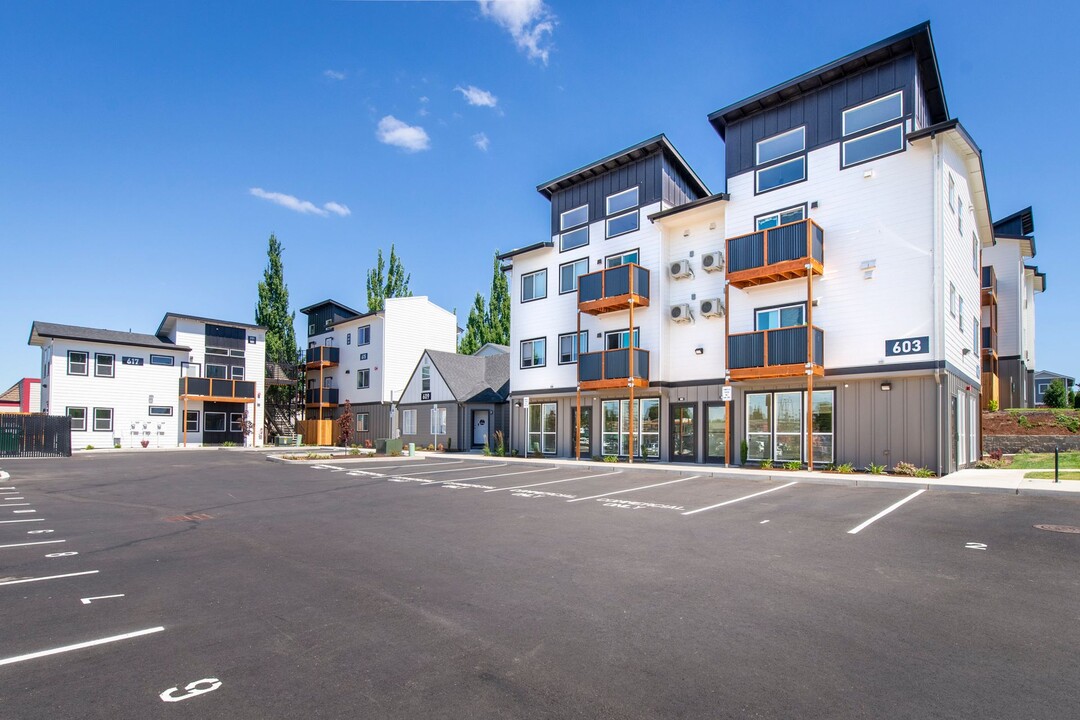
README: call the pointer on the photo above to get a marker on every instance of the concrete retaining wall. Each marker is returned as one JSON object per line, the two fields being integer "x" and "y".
{"x": 1034, "y": 443}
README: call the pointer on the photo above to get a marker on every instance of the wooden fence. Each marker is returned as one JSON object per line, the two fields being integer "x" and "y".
{"x": 25, "y": 435}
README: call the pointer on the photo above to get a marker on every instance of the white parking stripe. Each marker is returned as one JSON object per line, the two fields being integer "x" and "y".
{"x": 5, "y": 522}
{"x": 40, "y": 542}
{"x": 886, "y": 511}
{"x": 643, "y": 487}
{"x": 488, "y": 477}
{"x": 408, "y": 463}
{"x": 48, "y": 577}
{"x": 474, "y": 467}
{"x": 5, "y": 499}
{"x": 23, "y": 512}
{"x": 15, "y": 504}
{"x": 9, "y": 488}
{"x": 553, "y": 482}
{"x": 80, "y": 646}
{"x": 744, "y": 497}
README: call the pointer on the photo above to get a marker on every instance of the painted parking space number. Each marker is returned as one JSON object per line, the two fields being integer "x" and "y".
{"x": 199, "y": 687}
{"x": 975, "y": 546}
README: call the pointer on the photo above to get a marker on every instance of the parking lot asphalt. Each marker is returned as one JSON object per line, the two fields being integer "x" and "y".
{"x": 217, "y": 585}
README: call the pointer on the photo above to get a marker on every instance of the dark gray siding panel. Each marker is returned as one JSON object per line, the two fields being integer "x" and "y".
{"x": 821, "y": 111}
{"x": 319, "y": 316}
{"x": 646, "y": 173}
{"x": 677, "y": 190}
{"x": 378, "y": 422}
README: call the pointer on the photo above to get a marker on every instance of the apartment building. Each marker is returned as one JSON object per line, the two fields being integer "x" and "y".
{"x": 1009, "y": 287}
{"x": 824, "y": 309}
{"x": 195, "y": 381}
{"x": 366, "y": 359}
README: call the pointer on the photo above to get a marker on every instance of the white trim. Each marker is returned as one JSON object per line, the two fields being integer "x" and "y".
{"x": 609, "y": 198}
{"x": 844, "y": 115}
{"x": 860, "y": 138}
{"x": 563, "y": 227}
{"x": 757, "y": 174}
{"x": 764, "y": 141}
{"x": 607, "y": 224}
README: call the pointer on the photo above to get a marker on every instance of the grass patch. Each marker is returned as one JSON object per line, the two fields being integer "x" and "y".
{"x": 1049, "y": 475}
{"x": 1045, "y": 461}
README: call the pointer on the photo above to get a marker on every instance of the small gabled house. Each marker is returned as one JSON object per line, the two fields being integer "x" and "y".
{"x": 1043, "y": 380}
{"x": 22, "y": 397}
{"x": 458, "y": 401}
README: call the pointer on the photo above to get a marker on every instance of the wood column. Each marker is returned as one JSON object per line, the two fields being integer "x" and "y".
{"x": 727, "y": 369}
{"x": 577, "y": 417}
{"x": 630, "y": 380}
{"x": 809, "y": 364}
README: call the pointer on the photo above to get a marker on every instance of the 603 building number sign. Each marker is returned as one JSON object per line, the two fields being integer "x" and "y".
{"x": 907, "y": 346}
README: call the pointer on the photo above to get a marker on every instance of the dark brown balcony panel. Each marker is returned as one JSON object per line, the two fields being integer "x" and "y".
{"x": 989, "y": 286}
{"x": 321, "y": 397}
{"x": 989, "y": 342}
{"x": 610, "y": 369}
{"x": 217, "y": 389}
{"x": 779, "y": 253}
{"x": 774, "y": 354}
{"x": 613, "y": 289}
{"x": 321, "y": 356}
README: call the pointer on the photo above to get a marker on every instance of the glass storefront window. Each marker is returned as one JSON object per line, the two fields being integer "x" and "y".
{"x": 715, "y": 433}
{"x": 542, "y": 426}
{"x": 775, "y": 429}
{"x": 615, "y": 438}
{"x": 823, "y": 427}
{"x": 759, "y": 426}
{"x": 789, "y": 414}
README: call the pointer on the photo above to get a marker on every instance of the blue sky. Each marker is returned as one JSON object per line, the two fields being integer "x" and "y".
{"x": 147, "y": 150}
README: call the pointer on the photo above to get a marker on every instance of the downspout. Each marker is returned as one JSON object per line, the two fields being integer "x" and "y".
{"x": 939, "y": 291}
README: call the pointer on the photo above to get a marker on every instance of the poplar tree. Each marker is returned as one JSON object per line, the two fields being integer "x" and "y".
{"x": 498, "y": 312}
{"x": 387, "y": 281}
{"x": 272, "y": 312}
{"x": 475, "y": 328}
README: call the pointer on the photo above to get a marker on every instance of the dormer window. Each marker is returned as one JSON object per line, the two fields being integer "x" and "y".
{"x": 866, "y": 126}
{"x": 617, "y": 224}
{"x": 777, "y": 148}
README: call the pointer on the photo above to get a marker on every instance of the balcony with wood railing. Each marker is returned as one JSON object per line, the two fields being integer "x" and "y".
{"x": 321, "y": 356}
{"x": 610, "y": 369}
{"x": 779, "y": 253}
{"x": 989, "y": 342}
{"x": 217, "y": 389}
{"x": 613, "y": 289}
{"x": 321, "y": 398}
{"x": 777, "y": 353}
{"x": 989, "y": 286}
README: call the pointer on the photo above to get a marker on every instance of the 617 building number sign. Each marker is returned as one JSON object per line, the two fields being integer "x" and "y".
{"x": 907, "y": 346}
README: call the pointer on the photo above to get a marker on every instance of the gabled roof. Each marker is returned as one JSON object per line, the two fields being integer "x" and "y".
{"x": 917, "y": 39}
{"x": 13, "y": 394}
{"x": 471, "y": 378}
{"x": 527, "y": 249}
{"x": 41, "y": 330}
{"x": 171, "y": 317}
{"x": 335, "y": 303}
{"x": 625, "y": 157}
{"x": 1042, "y": 374}
{"x": 1019, "y": 226}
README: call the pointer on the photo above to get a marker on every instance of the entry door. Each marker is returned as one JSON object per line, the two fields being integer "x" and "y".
{"x": 481, "y": 420}
{"x": 715, "y": 433}
{"x": 683, "y": 432}
{"x": 954, "y": 423}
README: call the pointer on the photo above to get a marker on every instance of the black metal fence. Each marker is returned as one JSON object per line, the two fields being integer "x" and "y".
{"x": 35, "y": 435}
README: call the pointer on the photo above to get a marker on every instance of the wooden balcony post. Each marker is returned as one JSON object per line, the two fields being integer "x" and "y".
{"x": 809, "y": 363}
{"x": 577, "y": 418}
{"x": 185, "y": 412}
{"x": 727, "y": 369}
{"x": 630, "y": 374}
{"x": 765, "y": 247}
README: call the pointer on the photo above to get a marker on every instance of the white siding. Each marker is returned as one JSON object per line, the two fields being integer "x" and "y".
{"x": 440, "y": 391}
{"x": 957, "y": 230}
{"x": 1009, "y": 269}
{"x": 413, "y": 325}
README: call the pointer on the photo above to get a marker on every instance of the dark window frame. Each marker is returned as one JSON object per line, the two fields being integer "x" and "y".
{"x": 111, "y": 365}
{"x": 572, "y": 262}
{"x": 85, "y": 362}
{"x": 157, "y": 360}
{"x": 67, "y": 411}
{"x": 521, "y": 353}
{"x": 112, "y": 416}
{"x": 542, "y": 271}
{"x": 584, "y": 334}
{"x": 150, "y": 411}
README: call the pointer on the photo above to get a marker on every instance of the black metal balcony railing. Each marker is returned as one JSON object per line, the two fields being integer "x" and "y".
{"x": 217, "y": 388}
{"x": 770, "y": 348}
{"x": 989, "y": 340}
{"x": 322, "y": 354}
{"x": 793, "y": 241}
{"x": 612, "y": 365}
{"x": 989, "y": 278}
{"x": 321, "y": 396}
{"x": 613, "y": 282}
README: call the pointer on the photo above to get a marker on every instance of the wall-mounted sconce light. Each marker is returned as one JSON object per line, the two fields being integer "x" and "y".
{"x": 699, "y": 351}
{"x": 886, "y": 386}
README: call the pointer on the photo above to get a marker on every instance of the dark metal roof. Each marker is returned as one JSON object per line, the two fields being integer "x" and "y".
{"x": 335, "y": 303}
{"x": 917, "y": 39}
{"x": 624, "y": 157}
{"x": 527, "y": 249}
{"x": 1040, "y": 277}
{"x": 40, "y": 330}
{"x": 718, "y": 197}
{"x": 1022, "y": 220}
{"x": 180, "y": 316}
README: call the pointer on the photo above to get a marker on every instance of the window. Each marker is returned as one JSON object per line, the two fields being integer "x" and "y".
{"x": 822, "y": 423}
{"x": 348, "y": 338}
{"x": 103, "y": 418}
{"x": 425, "y": 378}
{"x": 77, "y": 362}
{"x": 574, "y": 239}
{"x": 408, "y": 422}
{"x": 759, "y": 426}
{"x": 618, "y": 339}
{"x": 162, "y": 360}
{"x": 623, "y": 259}
{"x": 952, "y": 299}
{"x": 534, "y": 353}
{"x": 236, "y": 372}
{"x": 329, "y": 342}
{"x": 236, "y": 422}
{"x": 328, "y": 382}
{"x": 534, "y": 286}
{"x": 215, "y": 421}
{"x": 191, "y": 421}
{"x": 952, "y": 192}
{"x": 311, "y": 329}
{"x": 438, "y": 421}
{"x": 874, "y": 113}
{"x": 568, "y": 349}
{"x": 975, "y": 253}
{"x": 568, "y": 275}
{"x": 78, "y": 417}
{"x": 615, "y": 431}
{"x": 622, "y": 224}
{"x": 362, "y": 420}
{"x": 975, "y": 336}
{"x": 363, "y": 335}
{"x": 104, "y": 365}
{"x": 782, "y": 174}
{"x": 585, "y": 429}
{"x": 783, "y": 217}
{"x": 161, "y": 410}
{"x": 218, "y": 372}
{"x": 621, "y": 201}
{"x": 236, "y": 353}
{"x": 960, "y": 313}
{"x": 782, "y": 145}
{"x": 363, "y": 379}
{"x": 879, "y": 142}
{"x": 543, "y": 422}
{"x": 216, "y": 351}
{"x": 959, "y": 215}
{"x": 780, "y": 317}
{"x": 573, "y": 218}
{"x": 775, "y": 426}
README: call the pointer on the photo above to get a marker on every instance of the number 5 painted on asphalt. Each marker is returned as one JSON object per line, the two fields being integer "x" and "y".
{"x": 192, "y": 688}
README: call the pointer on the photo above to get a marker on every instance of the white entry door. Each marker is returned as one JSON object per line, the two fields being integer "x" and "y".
{"x": 481, "y": 419}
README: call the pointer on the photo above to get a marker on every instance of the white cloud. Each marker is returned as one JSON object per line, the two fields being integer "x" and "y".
{"x": 411, "y": 138}
{"x": 529, "y": 22}
{"x": 423, "y": 111}
{"x": 304, "y": 207}
{"x": 475, "y": 96}
{"x": 481, "y": 140}
{"x": 334, "y": 74}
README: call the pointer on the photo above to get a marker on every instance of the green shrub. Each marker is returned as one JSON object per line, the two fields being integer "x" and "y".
{"x": 91, "y": 447}
{"x": 903, "y": 468}
{"x": 744, "y": 451}
{"x": 924, "y": 473}
{"x": 1055, "y": 395}
{"x": 766, "y": 465}
{"x": 993, "y": 406}
{"x": 610, "y": 459}
{"x": 845, "y": 468}
{"x": 793, "y": 465}
{"x": 1023, "y": 421}
{"x": 988, "y": 464}
{"x": 1076, "y": 401}
{"x": 486, "y": 450}
{"x": 354, "y": 450}
{"x": 875, "y": 469}
{"x": 228, "y": 443}
{"x": 1069, "y": 422}
{"x": 395, "y": 453}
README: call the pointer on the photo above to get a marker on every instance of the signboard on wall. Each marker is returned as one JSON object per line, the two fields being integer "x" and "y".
{"x": 126, "y": 360}
{"x": 725, "y": 393}
{"x": 425, "y": 396}
{"x": 908, "y": 346}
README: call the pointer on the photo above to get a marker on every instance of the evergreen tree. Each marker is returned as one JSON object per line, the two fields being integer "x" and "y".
{"x": 475, "y": 328}
{"x": 391, "y": 284}
{"x": 272, "y": 312}
{"x": 498, "y": 313}
{"x": 1055, "y": 395}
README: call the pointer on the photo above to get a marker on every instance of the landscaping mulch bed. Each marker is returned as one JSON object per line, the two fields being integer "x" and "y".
{"x": 1031, "y": 422}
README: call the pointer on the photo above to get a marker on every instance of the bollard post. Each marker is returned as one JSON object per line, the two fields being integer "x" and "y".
{"x": 1056, "y": 479}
